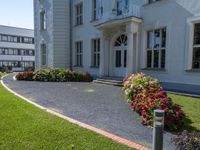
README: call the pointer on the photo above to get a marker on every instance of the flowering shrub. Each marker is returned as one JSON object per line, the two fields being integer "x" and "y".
{"x": 55, "y": 75}
{"x": 145, "y": 94}
{"x": 187, "y": 141}
{"x": 27, "y": 75}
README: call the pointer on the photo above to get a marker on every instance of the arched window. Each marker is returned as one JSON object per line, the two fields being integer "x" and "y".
{"x": 121, "y": 40}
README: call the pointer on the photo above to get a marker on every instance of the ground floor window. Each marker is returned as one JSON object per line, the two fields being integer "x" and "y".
{"x": 156, "y": 48}
{"x": 96, "y": 52}
{"x": 43, "y": 54}
{"x": 196, "y": 47}
{"x": 17, "y": 64}
{"x": 79, "y": 54}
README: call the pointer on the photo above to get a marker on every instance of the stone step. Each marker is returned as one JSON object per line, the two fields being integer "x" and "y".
{"x": 108, "y": 82}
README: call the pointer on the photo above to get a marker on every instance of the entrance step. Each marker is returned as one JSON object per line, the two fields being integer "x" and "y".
{"x": 109, "y": 81}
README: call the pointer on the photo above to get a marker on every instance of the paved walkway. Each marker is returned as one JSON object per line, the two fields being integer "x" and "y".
{"x": 101, "y": 106}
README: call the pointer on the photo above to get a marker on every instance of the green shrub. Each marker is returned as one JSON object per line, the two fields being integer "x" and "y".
{"x": 56, "y": 75}
{"x": 145, "y": 95}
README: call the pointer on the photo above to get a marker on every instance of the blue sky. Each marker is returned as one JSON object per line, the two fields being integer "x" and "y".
{"x": 18, "y": 13}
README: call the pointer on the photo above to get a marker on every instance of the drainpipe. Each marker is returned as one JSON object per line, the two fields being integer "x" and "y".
{"x": 70, "y": 27}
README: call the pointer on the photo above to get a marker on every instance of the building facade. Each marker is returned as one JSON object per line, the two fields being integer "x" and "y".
{"x": 119, "y": 37}
{"x": 17, "y": 51}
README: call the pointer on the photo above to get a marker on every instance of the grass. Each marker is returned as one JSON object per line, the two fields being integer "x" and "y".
{"x": 2, "y": 74}
{"x": 25, "y": 127}
{"x": 191, "y": 107}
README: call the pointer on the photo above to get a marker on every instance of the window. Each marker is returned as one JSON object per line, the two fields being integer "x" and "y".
{"x": 156, "y": 47}
{"x": 122, "y": 7}
{"x": 97, "y": 9}
{"x": 43, "y": 55}
{"x": 196, "y": 47}
{"x": 4, "y": 38}
{"x": 79, "y": 14}
{"x": 79, "y": 54}
{"x": 96, "y": 52}
{"x": 43, "y": 20}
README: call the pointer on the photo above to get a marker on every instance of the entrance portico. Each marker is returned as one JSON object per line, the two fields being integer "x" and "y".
{"x": 119, "y": 47}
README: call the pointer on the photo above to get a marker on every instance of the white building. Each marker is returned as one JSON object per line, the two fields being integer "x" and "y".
{"x": 119, "y": 37}
{"x": 17, "y": 51}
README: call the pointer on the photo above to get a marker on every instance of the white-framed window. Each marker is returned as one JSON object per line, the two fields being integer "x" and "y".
{"x": 96, "y": 53}
{"x": 43, "y": 21}
{"x": 122, "y": 6}
{"x": 97, "y": 9}
{"x": 196, "y": 47}
{"x": 79, "y": 54}
{"x": 79, "y": 14}
{"x": 156, "y": 48}
{"x": 43, "y": 55}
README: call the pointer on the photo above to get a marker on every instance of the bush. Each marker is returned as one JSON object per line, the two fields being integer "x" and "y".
{"x": 57, "y": 75}
{"x": 187, "y": 141}
{"x": 145, "y": 95}
{"x": 26, "y": 76}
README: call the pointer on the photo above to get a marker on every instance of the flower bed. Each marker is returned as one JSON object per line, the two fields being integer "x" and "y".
{"x": 54, "y": 75}
{"x": 145, "y": 94}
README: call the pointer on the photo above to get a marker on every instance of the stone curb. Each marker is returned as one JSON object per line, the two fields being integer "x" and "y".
{"x": 81, "y": 124}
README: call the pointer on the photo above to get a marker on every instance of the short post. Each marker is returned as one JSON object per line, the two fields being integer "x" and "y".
{"x": 158, "y": 129}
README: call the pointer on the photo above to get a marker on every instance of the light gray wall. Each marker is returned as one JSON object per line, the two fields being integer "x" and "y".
{"x": 61, "y": 33}
{"x": 56, "y": 36}
{"x": 172, "y": 14}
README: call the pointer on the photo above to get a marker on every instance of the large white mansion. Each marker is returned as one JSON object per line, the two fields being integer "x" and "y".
{"x": 120, "y": 37}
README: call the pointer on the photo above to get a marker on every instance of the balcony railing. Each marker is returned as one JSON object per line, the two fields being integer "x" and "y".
{"x": 131, "y": 11}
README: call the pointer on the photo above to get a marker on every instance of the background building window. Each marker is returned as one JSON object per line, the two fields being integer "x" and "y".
{"x": 79, "y": 54}
{"x": 156, "y": 47}
{"x": 79, "y": 14}
{"x": 196, "y": 47}
{"x": 96, "y": 52}
{"x": 43, "y": 55}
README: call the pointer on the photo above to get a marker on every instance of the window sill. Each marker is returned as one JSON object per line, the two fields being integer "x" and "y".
{"x": 78, "y": 66}
{"x": 154, "y": 69}
{"x": 94, "y": 67}
{"x": 193, "y": 70}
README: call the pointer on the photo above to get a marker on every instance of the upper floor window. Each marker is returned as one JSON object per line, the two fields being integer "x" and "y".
{"x": 43, "y": 20}
{"x": 196, "y": 47}
{"x": 16, "y": 39}
{"x": 97, "y": 9}
{"x": 152, "y": 1}
{"x": 122, "y": 6}
{"x": 156, "y": 48}
{"x": 79, "y": 14}
{"x": 96, "y": 52}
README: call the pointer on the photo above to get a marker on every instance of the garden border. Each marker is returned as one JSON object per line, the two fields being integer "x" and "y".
{"x": 81, "y": 124}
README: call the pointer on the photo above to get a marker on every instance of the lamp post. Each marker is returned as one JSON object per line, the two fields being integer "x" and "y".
{"x": 158, "y": 129}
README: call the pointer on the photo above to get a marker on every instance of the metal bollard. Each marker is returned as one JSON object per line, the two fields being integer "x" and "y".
{"x": 158, "y": 129}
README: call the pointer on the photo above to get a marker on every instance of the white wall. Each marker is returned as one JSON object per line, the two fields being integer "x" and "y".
{"x": 172, "y": 14}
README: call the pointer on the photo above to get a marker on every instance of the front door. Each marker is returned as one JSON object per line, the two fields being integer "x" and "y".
{"x": 120, "y": 62}
{"x": 120, "y": 56}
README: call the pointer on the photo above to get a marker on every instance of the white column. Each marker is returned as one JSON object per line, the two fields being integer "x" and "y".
{"x": 132, "y": 48}
{"x": 104, "y": 54}
{"x": 130, "y": 54}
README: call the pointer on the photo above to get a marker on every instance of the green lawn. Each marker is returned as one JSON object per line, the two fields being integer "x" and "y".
{"x": 191, "y": 107}
{"x": 25, "y": 127}
{"x": 2, "y": 74}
